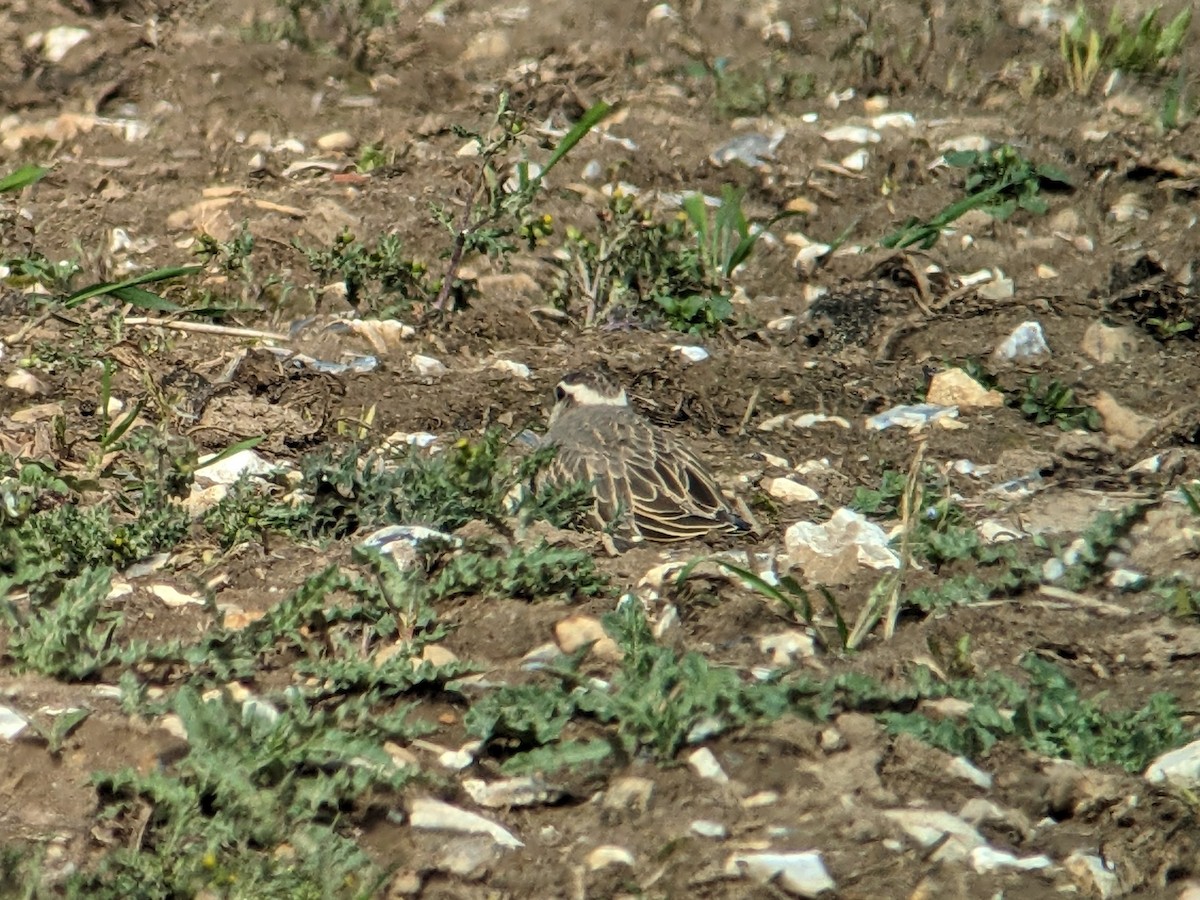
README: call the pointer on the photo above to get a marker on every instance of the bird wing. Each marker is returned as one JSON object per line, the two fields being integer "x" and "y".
{"x": 674, "y": 497}
{"x": 646, "y": 484}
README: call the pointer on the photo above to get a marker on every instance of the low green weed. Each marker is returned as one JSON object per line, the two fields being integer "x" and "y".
{"x": 998, "y": 182}
{"x": 658, "y": 702}
{"x": 677, "y": 272}
{"x": 752, "y": 90}
{"x": 1047, "y": 716}
{"x": 347, "y": 28}
{"x": 1054, "y": 402}
{"x": 45, "y": 530}
{"x": 380, "y": 280}
{"x": 498, "y": 209}
{"x": 66, "y": 629}
{"x": 258, "y": 805}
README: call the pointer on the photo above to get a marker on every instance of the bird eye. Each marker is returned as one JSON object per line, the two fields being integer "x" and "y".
{"x": 560, "y": 393}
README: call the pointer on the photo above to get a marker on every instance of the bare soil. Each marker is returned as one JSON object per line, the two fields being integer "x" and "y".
{"x": 202, "y": 87}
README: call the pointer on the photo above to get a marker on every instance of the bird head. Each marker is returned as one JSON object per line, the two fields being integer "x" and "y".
{"x": 594, "y": 386}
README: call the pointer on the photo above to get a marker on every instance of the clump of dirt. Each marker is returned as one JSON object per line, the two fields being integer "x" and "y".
{"x": 168, "y": 120}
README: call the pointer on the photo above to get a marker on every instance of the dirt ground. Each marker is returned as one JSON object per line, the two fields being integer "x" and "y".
{"x": 167, "y": 105}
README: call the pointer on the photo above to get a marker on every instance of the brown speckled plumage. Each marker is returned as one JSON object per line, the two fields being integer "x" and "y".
{"x": 648, "y": 485}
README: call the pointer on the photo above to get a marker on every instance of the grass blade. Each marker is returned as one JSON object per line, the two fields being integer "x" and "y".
{"x": 22, "y": 177}
{"x": 247, "y": 444}
{"x": 118, "y": 287}
{"x": 590, "y": 119}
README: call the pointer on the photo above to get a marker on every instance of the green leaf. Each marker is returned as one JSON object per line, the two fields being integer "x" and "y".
{"x": 247, "y": 444}
{"x": 116, "y": 287}
{"x": 22, "y": 177}
{"x": 590, "y": 119}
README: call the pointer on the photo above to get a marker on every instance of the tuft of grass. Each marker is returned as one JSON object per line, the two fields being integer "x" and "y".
{"x": 1148, "y": 46}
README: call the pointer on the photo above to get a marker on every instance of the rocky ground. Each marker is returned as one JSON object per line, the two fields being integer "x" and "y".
{"x": 954, "y": 380}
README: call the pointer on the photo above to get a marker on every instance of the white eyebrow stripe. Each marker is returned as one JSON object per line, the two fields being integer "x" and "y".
{"x": 586, "y": 395}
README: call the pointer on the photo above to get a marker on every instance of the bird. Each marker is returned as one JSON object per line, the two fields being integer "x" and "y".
{"x": 647, "y": 485}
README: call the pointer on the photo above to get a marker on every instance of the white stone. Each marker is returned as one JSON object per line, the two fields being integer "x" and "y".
{"x": 58, "y": 41}
{"x": 428, "y": 366}
{"x": 799, "y": 874}
{"x": 608, "y": 855}
{"x": 529, "y": 790}
{"x": 705, "y": 764}
{"x": 516, "y": 369}
{"x": 988, "y": 859}
{"x": 12, "y": 723}
{"x": 856, "y": 161}
{"x": 894, "y": 120}
{"x": 691, "y": 353}
{"x": 930, "y": 826}
{"x": 212, "y": 470}
{"x": 434, "y": 815}
{"x": 853, "y": 134}
{"x": 175, "y": 598}
{"x": 1180, "y": 767}
{"x": 1026, "y": 341}
{"x": 709, "y": 829}
{"x": 848, "y": 535}
{"x": 790, "y": 491}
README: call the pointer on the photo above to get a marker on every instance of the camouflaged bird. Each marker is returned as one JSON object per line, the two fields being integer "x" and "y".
{"x": 647, "y": 485}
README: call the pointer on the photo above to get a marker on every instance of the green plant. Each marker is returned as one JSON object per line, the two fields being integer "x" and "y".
{"x": 540, "y": 571}
{"x": 372, "y": 157}
{"x": 1150, "y": 45}
{"x": 788, "y": 593}
{"x": 498, "y": 208}
{"x": 401, "y": 281}
{"x": 657, "y": 703}
{"x": 232, "y": 257}
{"x": 44, "y": 528}
{"x": 1176, "y": 108}
{"x": 1047, "y": 716}
{"x": 1179, "y": 596}
{"x": 345, "y": 27}
{"x": 1165, "y": 329}
{"x": 343, "y": 493}
{"x": 752, "y": 90}
{"x": 130, "y": 290}
{"x": 999, "y": 182}
{"x": 679, "y": 271}
{"x": 1055, "y": 402}
{"x": 66, "y": 630}
{"x": 1080, "y": 48}
{"x": 22, "y": 177}
{"x": 1145, "y": 48}
{"x": 255, "y": 806}
{"x": 37, "y": 269}
{"x": 881, "y": 501}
